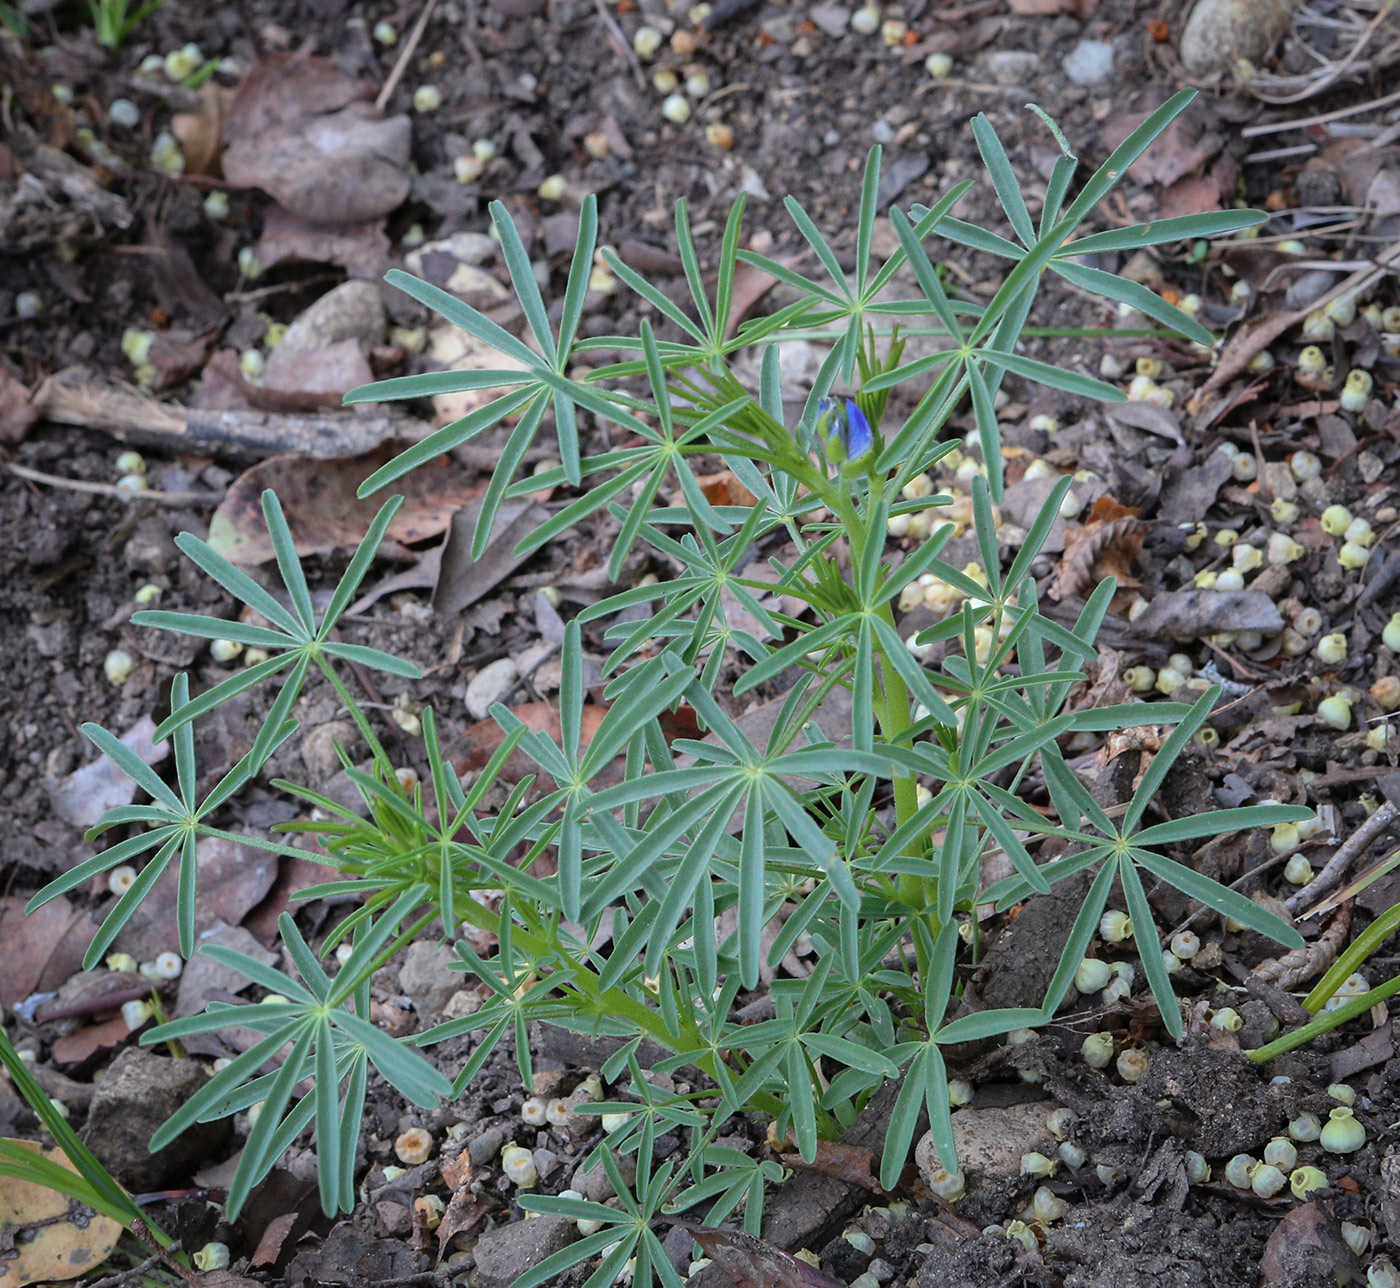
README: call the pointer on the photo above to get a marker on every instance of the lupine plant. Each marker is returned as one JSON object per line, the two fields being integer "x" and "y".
{"x": 678, "y": 869}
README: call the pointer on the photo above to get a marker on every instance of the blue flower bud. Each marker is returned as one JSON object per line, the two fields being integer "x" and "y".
{"x": 844, "y": 430}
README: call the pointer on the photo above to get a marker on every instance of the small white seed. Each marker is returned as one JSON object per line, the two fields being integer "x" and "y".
{"x": 676, "y": 109}
{"x": 866, "y": 20}
{"x": 519, "y": 1166}
{"x": 646, "y": 41}
{"x": 1132, "y": 1064}
{"x": 224, "y": 650}
{"x": 117, "y": 666}
{"x": 1227, "y": 1020}
{"x": 413, "y": 1146}
{"x": 167, "y": 966}
{"x": 427, "y": 98}
{"x": 1115, "y": 926}
{"x": 1097, "y": 1050}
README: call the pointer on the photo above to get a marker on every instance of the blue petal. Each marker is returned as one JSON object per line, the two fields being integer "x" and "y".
{"x": 858, "y": 437}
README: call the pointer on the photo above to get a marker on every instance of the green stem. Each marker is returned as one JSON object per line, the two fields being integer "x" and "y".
{"x": 892, "y": 694}
{"x": 616, "y": 1003}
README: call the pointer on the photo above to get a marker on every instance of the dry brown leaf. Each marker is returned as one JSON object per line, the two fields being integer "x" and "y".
{"x": 751, "y": 1262}
{"x": 1195, "y": 194}
{"x": 464, "y": 1211}
{"x": 46, "y": 1236}
{"x": 1193, "y": 613}
{"x": 303, "y": 131}
{"x": 854, "y": 1164}
{"x": 270, "y": 1245}
{"x": 201, "y": 132}
{"x": 77, "y": 1047}
{"x": 362, "y": 250}
{"x": 1107, "y": 509}
{"x": 323, "y": 512}
{"x": 177, "y": 355}
{"x": 17, "y": 411}
{"x": 474, "y": 746}
{"x": 1307, "y": 1247}
{"x": 1183, "y": 147}
{"x": 42, "y": 950}
{"x": 462, "y": 579}
{"x": 1093, "y": 554}
{"x": 324, "y": 375}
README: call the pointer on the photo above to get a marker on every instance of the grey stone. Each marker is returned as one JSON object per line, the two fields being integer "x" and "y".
{"x": 489, "y": 685}
{"x": 1089, "y": 62}
{"x": 596, "y": 1186}
{"x": 425, "y": 977}
{"x": 1221, "y": 32}
{"x": 204, "y": 975}
{"x": 1012, "y": 66}
{"x": 136, "y": 1095}
{"x": 507, "y": 1252}
{"x": 833, "y": 19}
{"x": 481, "y": 1149}
{"x": 352, "y": 311}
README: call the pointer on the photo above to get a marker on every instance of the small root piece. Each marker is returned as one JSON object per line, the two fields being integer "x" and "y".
{"x": 1304, "y": 963}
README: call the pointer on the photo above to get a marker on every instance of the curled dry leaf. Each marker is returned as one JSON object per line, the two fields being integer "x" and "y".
{"x": 1096, "y": 552}
{"x": 201, "y": 132}
{"x": 17, "y": 410}
{"x": 854, "y": 1164}
{"x": 46, "y": 1236}
{"x": 322, "y": 509}
{"x": 1312, "y": 959}
{"x": 303, "y": 131}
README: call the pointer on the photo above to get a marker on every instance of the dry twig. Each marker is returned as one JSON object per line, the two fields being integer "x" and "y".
{"x": 1349, "y": 851}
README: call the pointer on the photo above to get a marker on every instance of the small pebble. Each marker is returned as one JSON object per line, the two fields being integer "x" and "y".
{"x": 490, "y": 685}
{"x": 1089, "y": 62}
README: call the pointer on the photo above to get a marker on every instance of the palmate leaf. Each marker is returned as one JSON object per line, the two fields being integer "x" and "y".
{"x": 331, "y": 1044}
{"x": 172, "y": 822}
{"x": 1120, "y": 850}
{"x": 536, "y": 382}
{"x": 294, "y": 637}
{"x": 1059, "y": 257}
